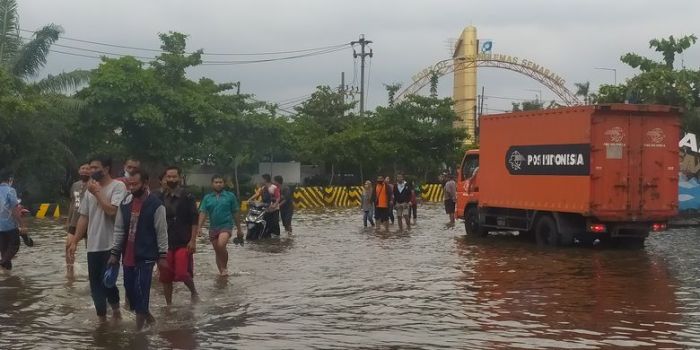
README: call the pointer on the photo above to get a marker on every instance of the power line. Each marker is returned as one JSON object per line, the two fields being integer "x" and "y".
{"x": 206, "y": 54}
{"x": 204, "y": 63}
{"x": 317, "y": 53}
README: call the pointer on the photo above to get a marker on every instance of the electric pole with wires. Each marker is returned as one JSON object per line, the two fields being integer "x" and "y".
{"x": 363, "y": 43}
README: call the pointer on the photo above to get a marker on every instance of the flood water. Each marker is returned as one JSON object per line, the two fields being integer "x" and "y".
{"x": 335, "y": 285}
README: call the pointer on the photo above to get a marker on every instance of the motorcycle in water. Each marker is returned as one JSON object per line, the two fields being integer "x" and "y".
{"x": 255, "y": 221}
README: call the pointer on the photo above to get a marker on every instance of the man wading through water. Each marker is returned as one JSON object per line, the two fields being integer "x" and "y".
{"x": 182, "y": 215}
{"x": 141, "y": 237}
{"x": 286, "y": 204}
{"x": 381, "y": 197}
{"x": 11, "y": 223}
{"x": 97, "y": 212}
{"x": 77, "y": 190}
{"x": 221, "y": 207}
{"x": 402, "y": 198}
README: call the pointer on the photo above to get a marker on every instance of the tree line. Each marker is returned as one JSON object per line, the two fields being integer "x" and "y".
{"x": 152, "y": 111}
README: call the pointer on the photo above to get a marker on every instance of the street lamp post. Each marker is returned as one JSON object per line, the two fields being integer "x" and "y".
{"x": 609, "y": 69}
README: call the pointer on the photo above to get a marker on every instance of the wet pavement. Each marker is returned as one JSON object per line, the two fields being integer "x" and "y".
{"x": 335, "y": 285}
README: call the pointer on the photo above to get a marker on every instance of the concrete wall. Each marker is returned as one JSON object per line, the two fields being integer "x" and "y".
{"x": 290, "y": 171}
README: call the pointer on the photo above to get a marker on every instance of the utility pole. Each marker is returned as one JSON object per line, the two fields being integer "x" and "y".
{"x": 362, "y": 42}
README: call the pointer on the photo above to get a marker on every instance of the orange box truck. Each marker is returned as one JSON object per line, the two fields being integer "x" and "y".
{"x": 573, "y": 173}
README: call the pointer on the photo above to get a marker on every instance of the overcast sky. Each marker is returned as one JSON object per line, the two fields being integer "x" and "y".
{"x": 568, "y": 37}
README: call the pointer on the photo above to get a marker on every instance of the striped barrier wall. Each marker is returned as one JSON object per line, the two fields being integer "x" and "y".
{"x": 322, "y": 197}
{"x": 304, "y": 198}
{"x": 311, "y": 197}
{"x": 48, "y": 210}
{"x": 431, "y": 192}
{"x": 341, "y": 196}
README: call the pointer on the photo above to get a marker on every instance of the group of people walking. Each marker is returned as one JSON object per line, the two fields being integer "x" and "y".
{"x": 126, "y": 222}
{"x": 382, "y": 198}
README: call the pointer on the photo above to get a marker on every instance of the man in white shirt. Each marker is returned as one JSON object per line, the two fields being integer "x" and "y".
{"x": 97, "y": 212}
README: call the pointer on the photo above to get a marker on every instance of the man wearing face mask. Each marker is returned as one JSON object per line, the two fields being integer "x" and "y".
{"x": 132, "y": 164}
{"x": 77, "y": 190}
{"x": 98, "y": 209}
{"x": 182, "y": 216}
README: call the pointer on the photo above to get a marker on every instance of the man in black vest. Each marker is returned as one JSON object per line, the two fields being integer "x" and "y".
{"x": 402, "y": 201}
{"x": 141, "y": 238}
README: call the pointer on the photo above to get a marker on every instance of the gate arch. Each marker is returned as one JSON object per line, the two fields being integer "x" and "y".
{"x": 525, "y": 67}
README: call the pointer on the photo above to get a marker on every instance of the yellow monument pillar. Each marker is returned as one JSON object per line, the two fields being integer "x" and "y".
{"x": 464, "y": 93}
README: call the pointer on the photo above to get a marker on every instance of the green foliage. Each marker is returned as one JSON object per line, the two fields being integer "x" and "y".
{"x": 659, "y": 82}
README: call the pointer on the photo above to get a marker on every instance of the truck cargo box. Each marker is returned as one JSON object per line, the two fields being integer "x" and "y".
{"x": 614, "y": 162}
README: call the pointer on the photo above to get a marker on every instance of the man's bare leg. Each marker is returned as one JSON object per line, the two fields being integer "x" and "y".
{"x": 168, "y": 292}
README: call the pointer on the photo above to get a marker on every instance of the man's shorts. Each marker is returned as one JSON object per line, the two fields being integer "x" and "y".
{"x": 381, "y": 214}
{"x": 180, "y": 266}
{"x": 214, "y": 233}
{"x": 449, "y": 206}
{"x": 403, "y": 209}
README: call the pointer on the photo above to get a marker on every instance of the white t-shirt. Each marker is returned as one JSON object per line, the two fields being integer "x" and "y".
{"x": 100, "y": 231}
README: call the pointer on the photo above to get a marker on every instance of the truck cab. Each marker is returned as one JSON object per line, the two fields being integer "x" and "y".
{"x": 467, "y": 187}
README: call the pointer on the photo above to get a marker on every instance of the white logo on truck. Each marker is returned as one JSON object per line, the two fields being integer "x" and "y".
{"x": 516, "y": 160}
{"x": 615, "y": 134}
{"x": 656, "y": 138}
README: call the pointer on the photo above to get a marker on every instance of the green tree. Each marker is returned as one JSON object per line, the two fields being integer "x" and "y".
{"x": 583, "y": 90}
{"x": 318, "y": 127}
{"x": 659, "y": 81}
{"x": 25, "y": 59}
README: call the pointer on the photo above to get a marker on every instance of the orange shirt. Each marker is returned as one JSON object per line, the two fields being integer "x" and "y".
{"x": 380, "y": 191}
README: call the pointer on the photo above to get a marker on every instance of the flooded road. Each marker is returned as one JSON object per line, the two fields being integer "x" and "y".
{"x": 336, "y": 285}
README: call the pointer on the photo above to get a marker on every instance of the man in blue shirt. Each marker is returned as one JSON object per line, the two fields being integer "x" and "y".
{"x": 10, "y": 221}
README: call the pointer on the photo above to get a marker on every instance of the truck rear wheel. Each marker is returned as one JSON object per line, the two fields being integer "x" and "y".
{"x": 471, "y": 222}
{"x": 546, "y": 231}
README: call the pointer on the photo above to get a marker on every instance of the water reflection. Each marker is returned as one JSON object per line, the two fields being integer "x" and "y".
{"x": 522, "y": 296}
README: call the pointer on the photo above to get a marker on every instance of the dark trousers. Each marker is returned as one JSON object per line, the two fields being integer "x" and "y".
{"x": 414, "y": 210}
{"x": 101, "y": 295}
{"x": 137, "y": 285}
{"x": 272, "y": 225}
{"x": 368, "y": 217}
{"x": 9, "y": 246}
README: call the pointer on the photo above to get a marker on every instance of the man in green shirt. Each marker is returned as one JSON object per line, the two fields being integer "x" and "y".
{"x": 221, "y": 207}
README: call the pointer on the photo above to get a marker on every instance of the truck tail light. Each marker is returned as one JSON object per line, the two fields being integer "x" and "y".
{"x": 597, "y": 228}
{"x": 658, "y": 227}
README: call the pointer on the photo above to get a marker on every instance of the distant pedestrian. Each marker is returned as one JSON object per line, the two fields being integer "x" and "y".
{"x": 450, "y": 197}
{"x": 141, "y": 238}
{"x": 415, "y": 194}
{"x": 271, "y": 195}
{"x": 381, "y": 198}
{"x": 367, "y": 205}
{"x": 130, "y": 165}
{"x": 98, "y": 210}
{"x": 11, "y": 222}
{"x": 387, "y": 180}
{"x": 286, "y": 204}
{"x": 222, "y": 209}
{"x": 402, "y": 202}
{"x": 77, "y": 190}
{"x": 182, "y": 217}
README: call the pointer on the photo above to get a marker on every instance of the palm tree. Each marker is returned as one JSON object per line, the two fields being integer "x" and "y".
{"x": 24, "y": 59}
{"x": 583, "y": 90}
